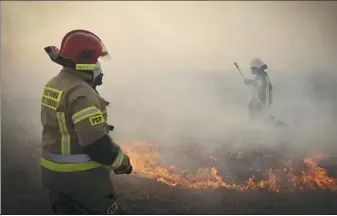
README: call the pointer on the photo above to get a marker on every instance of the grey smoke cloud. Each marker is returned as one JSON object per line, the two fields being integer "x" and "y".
{"x": 172, "y": 71}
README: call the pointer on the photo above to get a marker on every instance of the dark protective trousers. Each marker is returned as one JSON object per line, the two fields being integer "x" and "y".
{"x": 257, "y": 111}
{"x": 80, "y": 204}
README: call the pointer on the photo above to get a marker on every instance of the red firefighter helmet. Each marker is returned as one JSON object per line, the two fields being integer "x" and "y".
{"x": 82, "y": 47}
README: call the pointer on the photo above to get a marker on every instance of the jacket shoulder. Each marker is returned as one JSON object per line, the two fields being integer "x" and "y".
{"x": 84, "y": 91}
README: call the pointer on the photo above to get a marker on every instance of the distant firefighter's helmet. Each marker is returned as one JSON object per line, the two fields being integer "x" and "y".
{"x": 257, "y": 63}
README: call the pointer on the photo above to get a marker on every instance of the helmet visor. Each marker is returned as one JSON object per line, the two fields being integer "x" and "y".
{"x": 105, "y": 54}
{"x": 53, "y": 52}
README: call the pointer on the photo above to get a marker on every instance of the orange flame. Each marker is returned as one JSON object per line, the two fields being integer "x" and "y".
{"x": 315, "y": 177}
{"x": 145, "y": 162}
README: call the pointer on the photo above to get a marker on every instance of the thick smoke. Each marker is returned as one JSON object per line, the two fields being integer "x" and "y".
{"x": 172, "y": 76}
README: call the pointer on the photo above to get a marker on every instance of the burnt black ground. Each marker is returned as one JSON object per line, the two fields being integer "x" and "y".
{"x": 21, "y": 192}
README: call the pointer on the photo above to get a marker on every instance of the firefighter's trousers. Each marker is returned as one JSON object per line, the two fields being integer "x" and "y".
{"x": 75, "y": 204}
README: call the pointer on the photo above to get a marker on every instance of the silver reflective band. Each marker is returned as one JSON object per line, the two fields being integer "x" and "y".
{"x": 57, "y": 158}
{"x": 85, "y": 113}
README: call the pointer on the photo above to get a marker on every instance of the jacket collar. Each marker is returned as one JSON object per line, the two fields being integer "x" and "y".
{"x": 81, "y": 75}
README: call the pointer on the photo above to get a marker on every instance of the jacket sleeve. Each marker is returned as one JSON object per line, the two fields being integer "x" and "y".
{"x": 88, "y": 120}
{"x": 90, "y": 126}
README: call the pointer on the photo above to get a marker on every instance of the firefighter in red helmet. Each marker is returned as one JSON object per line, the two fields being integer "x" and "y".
{"x": 78, "y": 153}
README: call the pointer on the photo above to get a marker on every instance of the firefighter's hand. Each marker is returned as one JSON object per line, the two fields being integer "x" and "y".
{"x": 125, "y": 168}
{"x": 248, "y": 81}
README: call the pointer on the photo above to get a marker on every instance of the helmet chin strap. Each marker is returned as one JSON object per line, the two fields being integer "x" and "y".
{"x": 97, "y": 71}
{"x": 97, "y": 75}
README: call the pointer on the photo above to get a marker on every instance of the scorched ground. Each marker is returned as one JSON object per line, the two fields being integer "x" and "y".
{"x": 220, "y": 183}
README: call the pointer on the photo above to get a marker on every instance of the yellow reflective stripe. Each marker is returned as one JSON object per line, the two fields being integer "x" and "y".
{"x": 57, "y": 167}
{"x": 65, "y": 136}
{"x": 85, "y": 113}
{"x": 118, "y": 160}
{"x": 85, "y": 66}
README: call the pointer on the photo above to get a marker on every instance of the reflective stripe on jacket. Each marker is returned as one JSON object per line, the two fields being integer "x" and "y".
{"x": 62, "y": 144}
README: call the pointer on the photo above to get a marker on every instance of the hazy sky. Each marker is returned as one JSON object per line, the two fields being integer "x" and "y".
{"x": 159, "y": 37}
{"x": 152, "y": 43}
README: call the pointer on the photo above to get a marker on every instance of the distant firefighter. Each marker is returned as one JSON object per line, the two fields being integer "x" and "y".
{"x": 261, "y": 86}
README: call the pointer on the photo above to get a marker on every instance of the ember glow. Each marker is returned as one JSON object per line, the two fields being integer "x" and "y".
{"x": 146, "y": 163}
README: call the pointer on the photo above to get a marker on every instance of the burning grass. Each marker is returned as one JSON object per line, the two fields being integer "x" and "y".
{"x": 294, "y": 174}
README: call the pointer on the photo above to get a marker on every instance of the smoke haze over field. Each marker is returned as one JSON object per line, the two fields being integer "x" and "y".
{"x": 172, "y": 71}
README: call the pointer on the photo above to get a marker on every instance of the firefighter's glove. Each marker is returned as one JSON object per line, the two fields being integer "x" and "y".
{"x": 125, "y": 167}
{"x": 248, "y": 81}
{"x": 129, "y": 170}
